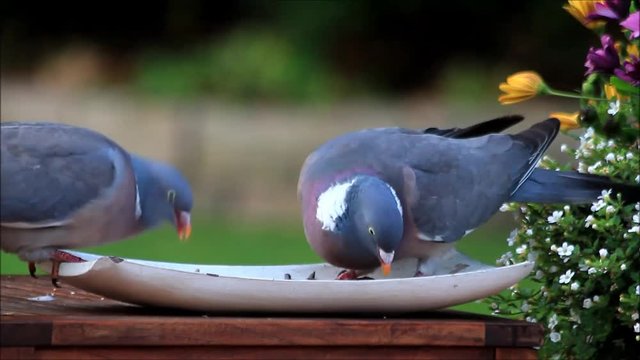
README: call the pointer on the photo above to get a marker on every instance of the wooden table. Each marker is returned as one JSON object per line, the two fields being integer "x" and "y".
{"x": 80, "y": 325}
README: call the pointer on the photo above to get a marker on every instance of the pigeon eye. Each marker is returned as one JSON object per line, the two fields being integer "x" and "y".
{"x": 371, "y": 231}
{"x": 171, "y": 196}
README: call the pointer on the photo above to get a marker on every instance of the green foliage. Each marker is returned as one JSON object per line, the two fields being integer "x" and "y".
{"x": 586, "y": 287}
{"x": 247, "y": 64}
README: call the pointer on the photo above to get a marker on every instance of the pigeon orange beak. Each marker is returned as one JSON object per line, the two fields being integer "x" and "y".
{"x": 183, "y": 223}
{"x": 386, "y": 258}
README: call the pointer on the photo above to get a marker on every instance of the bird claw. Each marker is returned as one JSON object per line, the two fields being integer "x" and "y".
{"x": 351, "y": 275}
{"x": 32, "y": 269}
{"x": 57, "y": 258}
{"x": 347, "y": 275}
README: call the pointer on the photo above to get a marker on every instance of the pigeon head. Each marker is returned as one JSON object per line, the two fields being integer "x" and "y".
{"x": 367, "y": 214}
{"x": 164, "y": 195}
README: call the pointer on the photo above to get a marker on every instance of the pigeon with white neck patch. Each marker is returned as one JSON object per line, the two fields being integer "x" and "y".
{"x": 377, "y": 195}
{"x": 69, "y": 187}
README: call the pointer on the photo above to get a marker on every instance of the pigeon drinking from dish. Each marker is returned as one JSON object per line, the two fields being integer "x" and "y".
{"x": 68, "y": 187}
{"x": 377, "y": 195}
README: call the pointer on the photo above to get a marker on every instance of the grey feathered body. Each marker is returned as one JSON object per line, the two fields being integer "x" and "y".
{"x": 447, "y": 186}
{"x": 63, "y": 187}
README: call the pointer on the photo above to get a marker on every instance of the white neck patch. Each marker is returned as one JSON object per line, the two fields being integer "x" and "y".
{"x": 395, "y": 197}
{"x": 138, "y": 207}
{"x": 332, "y": 204}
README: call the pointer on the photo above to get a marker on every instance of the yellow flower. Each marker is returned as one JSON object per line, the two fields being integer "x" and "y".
{"x": 580, "y": 9}
{"x": 521, "y": 86}
{"x": 568, "y": 121}
{"x": 611, "y": 93}
{"x": 632, "y": 49}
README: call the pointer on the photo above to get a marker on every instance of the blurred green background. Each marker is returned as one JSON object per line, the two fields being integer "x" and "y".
{"x": 236, "y": 94}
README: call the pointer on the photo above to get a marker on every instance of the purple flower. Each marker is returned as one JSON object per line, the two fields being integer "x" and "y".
{"x": 633, "y": 23}
{"x": 630, "y": 71}
{"x": 604, "y": 59}
{"x": 610, "y": 10}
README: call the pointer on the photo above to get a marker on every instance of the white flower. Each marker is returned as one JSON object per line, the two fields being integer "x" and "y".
{"x": 567, "y": 208}
{"x": 635, "y": 316}
{"x": 553, "y": 321}
{"x": 505, "y": 259}
{"x": 592, "y": 169}
{"x": 637, "y": 206}
{"x": 610, "y": 209}
{"x": 603, "y": 253}
{"x": 575, "y": 286}
{"x": 604, "y": 195}
{"x": 587, "y": 135}
{"x": 596, "y": 206}
{"x": 638, "y": 179}
{"x": 555, "y": 217}
{"x": 619, "y": 157}
{"x": 565, "y": 250}
{"x": 623, "y": 267}
{"x": 553, "y": 269}
{"x": 592, "y": 271}
{"x": 539, "y": 274}
{"x": 564, "y": 148}
{"x": 637, "y": 289}
{"x": 505, "y": 207}
{"x": 555, "y": 336}
{"x": 611, "y": 143}
{"x": 636, "y": 327}
{"x": 521, "y": 249}
{"x": 614, "y": 107}
{"x": 589, "y": 221}
{"x": 596, "y": 298}
{"x": 529, "y": 232}
{"x": 530, "y": 319}
{"x": 635, "y": 229}
{"x": 525, "y": 306}
{"x": 566, "y": 277}
{"x": 512, "y": 237}
{"x": 629, "y": 156}
{"x": 636, "y": 218}
{"x": 582, "y": 167}
{"x": 611, "y": 157}
{"x": 554, "y": 247}
{"x": 587, "y": 303}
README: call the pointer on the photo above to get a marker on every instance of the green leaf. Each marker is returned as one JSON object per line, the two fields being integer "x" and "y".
{"x": 624, "y": 87}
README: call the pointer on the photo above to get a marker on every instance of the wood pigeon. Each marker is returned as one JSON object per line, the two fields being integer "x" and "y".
{"x": 377, "y": 195}
{"x": 68, "y": 187}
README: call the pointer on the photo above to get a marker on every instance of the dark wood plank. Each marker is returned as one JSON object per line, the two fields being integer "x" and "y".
{"x": 27, "y": 333}
{"x": 509, "y": 334}
{"x": 21, "y": 353}
{"x": 78, "y": 318}
{"x": 260, "y": 352}
{"x": 176, "y": 331}
{"x": 516, "y": 354}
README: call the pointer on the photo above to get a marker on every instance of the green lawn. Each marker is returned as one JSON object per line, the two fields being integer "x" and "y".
{"x": 257, "y": 243}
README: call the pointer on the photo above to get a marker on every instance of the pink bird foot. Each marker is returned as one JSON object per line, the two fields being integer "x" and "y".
{"x": 57, "y": 258}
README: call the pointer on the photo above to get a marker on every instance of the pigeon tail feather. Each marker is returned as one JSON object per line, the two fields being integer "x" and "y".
{"x": 549, "y": 186}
